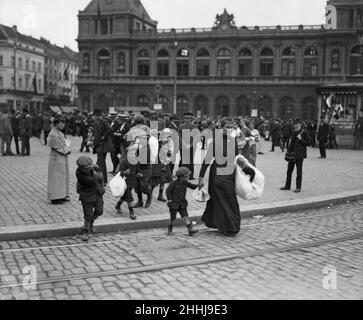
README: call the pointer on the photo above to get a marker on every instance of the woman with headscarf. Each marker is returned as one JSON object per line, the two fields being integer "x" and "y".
{"x": 222, "y": 210}
{"x": 58, "y": 167}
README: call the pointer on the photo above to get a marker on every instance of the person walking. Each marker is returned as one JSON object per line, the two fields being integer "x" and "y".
{"x": 58, "y": 166}
{"x": 276, "y": 135}
{"x": 6, "y": 134}
{"x": 297, "y": 153}
{"x": 26, "y": 126}
{"x": 323, "y": 133}
{"x": 358, "y": 134}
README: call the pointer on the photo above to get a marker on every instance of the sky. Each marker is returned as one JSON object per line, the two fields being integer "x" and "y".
{"x": 57, "y": 20}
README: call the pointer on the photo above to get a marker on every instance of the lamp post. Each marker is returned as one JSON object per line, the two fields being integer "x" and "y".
{"x": 175, "y": 78}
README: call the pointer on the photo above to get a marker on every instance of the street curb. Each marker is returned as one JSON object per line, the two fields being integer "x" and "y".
{"x": 162, "y": 220}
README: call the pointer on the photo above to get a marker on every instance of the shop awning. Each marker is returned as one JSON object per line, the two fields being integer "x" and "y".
{"x": 55, "y": 109}
{"x": 69, "y": 109}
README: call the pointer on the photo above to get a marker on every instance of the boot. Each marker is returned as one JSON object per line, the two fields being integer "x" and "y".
{"x": 84, "y": 235}
{"x": 149, "y": 200}
{"x": 161, "y": 198}
{"x": 118, "y": 207}
{"x": 139, "y": 203}
{"x": 132, "y": 214}
{"x": 191, "y": 230}
{"x": 170, "y": 230}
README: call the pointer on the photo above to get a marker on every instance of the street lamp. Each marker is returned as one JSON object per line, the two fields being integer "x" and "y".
{"x": 175, "y": 77}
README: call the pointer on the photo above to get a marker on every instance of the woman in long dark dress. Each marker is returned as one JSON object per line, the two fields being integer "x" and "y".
{"x": 222, "y": 210}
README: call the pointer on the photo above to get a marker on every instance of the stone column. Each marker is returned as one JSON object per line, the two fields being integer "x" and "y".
{"x": 319, "y": 108}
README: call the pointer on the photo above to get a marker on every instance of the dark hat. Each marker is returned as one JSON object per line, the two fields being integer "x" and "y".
{"x": 139, "y": 119}
{"x": 84, "y": 162}
{"x": 181, "y": 172}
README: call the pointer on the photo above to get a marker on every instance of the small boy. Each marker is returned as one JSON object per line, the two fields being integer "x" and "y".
{"x": 91, "y": 190}
{"x": 129, "y": 171}
{"x": 176, "y": 193}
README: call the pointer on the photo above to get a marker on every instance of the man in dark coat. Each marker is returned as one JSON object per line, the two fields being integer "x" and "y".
{"x": 14, "y": 117}
{"x": 276, "y": 135}
{"x": 26, "y": 126}
{"x": 323, "y": 134}
{"x": 300, "y": 140}
{"x": 6, "y": 134}
{"x": 287, "y": 130}
{"x": 358, "y": 134}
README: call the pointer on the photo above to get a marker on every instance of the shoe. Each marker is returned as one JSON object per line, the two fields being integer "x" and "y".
{"x": 321, "y": 157}
{"x": 132, "y": 216}
{"x": 170, "y": 230}
{"x": 84, "y": 235}
{"x": 139, "y": 204}
{"x": 284, "y": 188}
{"x": 191, "y": 231}
{"x": 57, "y": 202}
{"x": 297, "y": 191}
{"x": 148, "y": 202}
{"x": 161, "y": 198}
{"x": 260, "y": 153}
{"x": 118, "y": 208}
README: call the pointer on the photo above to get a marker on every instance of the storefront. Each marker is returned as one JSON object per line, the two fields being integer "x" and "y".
{"x": 349, "y": 96}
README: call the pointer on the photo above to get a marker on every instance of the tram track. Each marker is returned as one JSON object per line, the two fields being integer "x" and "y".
{"x": 191, "y": 262}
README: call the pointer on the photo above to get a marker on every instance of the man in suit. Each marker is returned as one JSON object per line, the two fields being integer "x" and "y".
{"x": 26, "y": 127}
{"x": 323, "y": 134}
{"x": 276, "y": 135}
{"x": 187, "y": 144}
{"x": 6, "y": 134}
{"x": 299, "y": 141}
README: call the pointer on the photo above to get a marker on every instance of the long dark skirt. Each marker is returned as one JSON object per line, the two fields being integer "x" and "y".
{"x": 222, "y": 210}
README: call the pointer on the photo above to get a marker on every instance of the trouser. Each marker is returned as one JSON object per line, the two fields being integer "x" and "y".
{"x": 285, "y": 142}
{"x": 322, "y": 147}
{"x": 313, "y": 139}
{"x": 46, "y": 134}
{"x": 101, "y": 162}
{"x": 115, "y": 159}
{"x": 25, "y": 145}
{"x": 93, "y": 210}
{"x": 276, "y": 142}
{"x": 16, "y": 141}
{"x": 357, "y": 142}
{"x": 5, "y": 140}
{"x": 333, "y": 143}
{"x": 290, "y": 170}
{"x": 188, "y": 164}
{"x": 143, "y": 186}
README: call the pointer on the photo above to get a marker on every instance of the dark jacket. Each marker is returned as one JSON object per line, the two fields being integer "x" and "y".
{"x": 103, "y": 138}
{"x": 299, "y": 146}
{"x": 177, "y": 191}
{"x": 323, "y": 132}
{"x": 275, "y": 131}
{"x": 89, "y": 185}
{"x": 26, "y": 125}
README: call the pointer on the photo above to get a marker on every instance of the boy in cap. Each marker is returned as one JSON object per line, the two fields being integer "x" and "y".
{"x": 91, "y": 190}
{"x": 176, "y": 193}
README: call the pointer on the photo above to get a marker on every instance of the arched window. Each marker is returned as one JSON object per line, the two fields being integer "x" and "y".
{"x": 162, "y": 63}
{"x": 335, "y": 60}
{"x": 164, "y": 101}
{"x": 287, "y": 109}
{"x": 288, "y": 62}
{"x": 266, "y": 62}
{"x": 183, "y": 62}
{"x": 203, "y": 62}
{"x": 309, "y": 109}
{"x": 86, "y": 62}
{"x": 143, "y": 101}
{"x": 201, "y": 105}
{"x": 245, "y": 62}
{"x": 265, "y": 107}
{"x": 104, "y": 62}
{"x": 182, "y": 105}
{"x": 143, "y": 63}
{"x": 121, "y": 61}
{"x": 223, "y": 63}
{"x": 222, "y": 106}
{"x": 243, "y": 106}
{"x": 311, "y": 61}
{"x": 356, "y": 60}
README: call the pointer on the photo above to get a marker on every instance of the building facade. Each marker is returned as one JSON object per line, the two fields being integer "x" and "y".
{"x": 21, "y": 71}
{"x": 220, "y": 71}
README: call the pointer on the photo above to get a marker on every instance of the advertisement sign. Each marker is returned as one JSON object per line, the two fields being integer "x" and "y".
{"x": 158, "y": 107}
{"x": 254, "y": 113}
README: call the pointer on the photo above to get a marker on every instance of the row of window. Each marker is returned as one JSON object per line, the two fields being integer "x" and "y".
{"x": 28, "y": 83}
{"x": 224, "y": 62}
{"x": 35, "y": 67}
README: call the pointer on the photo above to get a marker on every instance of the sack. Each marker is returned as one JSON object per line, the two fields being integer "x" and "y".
{"x": 244, "y": 188}
{"x": 118, "y": 186}
{"x": 201, "y": 195}
{"x": 290, "y": 157}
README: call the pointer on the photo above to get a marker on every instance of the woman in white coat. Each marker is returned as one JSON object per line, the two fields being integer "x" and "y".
{"x": 58, "y": 167}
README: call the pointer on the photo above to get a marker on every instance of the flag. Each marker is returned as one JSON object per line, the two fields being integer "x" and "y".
{"x": 35, "y": 83}
{"x": 65, "y": 75}
{"x": 337, "y": 111}
{"x": 329, "y": 101}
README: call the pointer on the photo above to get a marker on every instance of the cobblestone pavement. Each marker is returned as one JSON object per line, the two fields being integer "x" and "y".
{"x": 278, "y": 257}
{"x": 23, "y": 184}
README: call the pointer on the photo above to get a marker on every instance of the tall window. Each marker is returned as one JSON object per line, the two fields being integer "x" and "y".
{"x": 27, "y": 81}
{"x": 121, "y": 61}
{"x": 201, "y": 105}
{"x": 39, "y": 67}
{"x": 223, "y": 63}
{"x": 243, "y": 106}
{"x": 335, "y": 60}
{"x": 104, "y": 26}
{"x": 20, "y": 63}
{"x": 33, "y": 64}
{"x": 266, "y": 62}
{"x": 143, "y": 101}
{"x": 309, "y": 109}
{"x": 203, "y": 61}
{"x": 356, "y": 60}
{"x": 27, "y": 64}
{"x": 288, "y": 62}
{"x": 311, "y": 61}
{"x": 182, "y": 105}
{"x": 12, "y": 61}
{"x": 245, "y": 62}
{"x": 163, "y": 63}
{"x": 1, "y": 82}
{"x": 85, "y": 62}
{"x": 1, "y": 60}
{"x": 20, "y": 83}
{"x": 183, "y": 62}
{"x": 265, "y": 107}
{"x": 222, "y": 106}
{"x": 287, "y": 110}
{"x": 143, "y": 63}
{"x": 104, "y": 63}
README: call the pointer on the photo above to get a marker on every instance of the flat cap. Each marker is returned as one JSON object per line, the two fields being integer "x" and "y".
{"x": 84, "y": 162}
{"x": 183, "y": 172}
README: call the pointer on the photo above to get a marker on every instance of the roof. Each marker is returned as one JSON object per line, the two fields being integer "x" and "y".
{"x": 117, "y": 6}
{"x": 9, "y": 33}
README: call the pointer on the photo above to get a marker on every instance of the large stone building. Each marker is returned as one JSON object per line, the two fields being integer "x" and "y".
{"x": 36, "y": 74}
{"x": 225, "y": 70}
